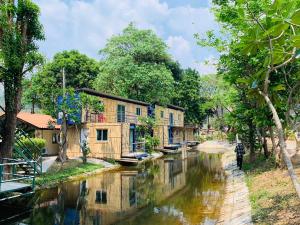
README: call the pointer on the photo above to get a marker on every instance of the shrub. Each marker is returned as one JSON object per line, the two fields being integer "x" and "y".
{"x": 200, "y": 138}
{"x": 35, "y": 145}
{"x": 151, "y": 143}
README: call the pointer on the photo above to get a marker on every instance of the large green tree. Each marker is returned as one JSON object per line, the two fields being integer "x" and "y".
{"x": 136, "y": 65}
{"x": 267, "y": 34}
{"x": 188, "y": 96}
{"x": 43, "y": 88}
{"x": 20, "y": 30}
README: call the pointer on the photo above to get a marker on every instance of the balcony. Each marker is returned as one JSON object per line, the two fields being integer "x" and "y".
{"x": 110, "y": 118}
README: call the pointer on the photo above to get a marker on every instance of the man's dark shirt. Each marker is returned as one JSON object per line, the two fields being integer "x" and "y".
{"x": 240, "y": 151}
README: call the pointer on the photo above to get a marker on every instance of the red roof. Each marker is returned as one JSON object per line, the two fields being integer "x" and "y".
{"x": 40, "y": 121}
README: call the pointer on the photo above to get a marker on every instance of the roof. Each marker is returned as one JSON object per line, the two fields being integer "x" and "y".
{"x": 104, "y": 95}
{"x": 176, "y": 107}
{"x": 40, "y": 121}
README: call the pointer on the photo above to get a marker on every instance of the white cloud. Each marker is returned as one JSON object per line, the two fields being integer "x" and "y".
{"x": 86, "y": 25}
{"x": 180, "y": 49}
{"x": 207, "y": 66}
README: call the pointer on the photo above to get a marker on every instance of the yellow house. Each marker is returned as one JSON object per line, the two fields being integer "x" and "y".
{"x": 112, "y": 133}
{"x": 169, "y": 125}
{"x": 40, "y": 126}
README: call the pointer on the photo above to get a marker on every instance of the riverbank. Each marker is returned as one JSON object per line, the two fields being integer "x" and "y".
{"x": 236, "y": 206}
{"x": 73, "y": 169}
{"x": 273, "y": 198}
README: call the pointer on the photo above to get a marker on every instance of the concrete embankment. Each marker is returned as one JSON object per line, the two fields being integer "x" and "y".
{"x": 236, "y": 209}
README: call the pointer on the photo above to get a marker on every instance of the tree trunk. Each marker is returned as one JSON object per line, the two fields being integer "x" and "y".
{"x": 62, "y": 156}
{"x": 271, "y": 131}
{"x": 265, "y": 144}
{"x": 282, "y": 144}
{"x": 12, "y": 98}
{"x": 251, "y": 140}
{"x": 32, "y": 107}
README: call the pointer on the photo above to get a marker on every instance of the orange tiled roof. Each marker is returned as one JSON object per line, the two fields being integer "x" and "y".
{"x": 40, "y": 121}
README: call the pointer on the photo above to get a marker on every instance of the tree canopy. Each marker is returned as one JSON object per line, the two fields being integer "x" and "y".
{"x": 20, "y": 30}
{"x": 136, "y": 65}
{"x": 188, "y": 96}
{"x": 45, "y": 86}
{"x": 260, "y": 58}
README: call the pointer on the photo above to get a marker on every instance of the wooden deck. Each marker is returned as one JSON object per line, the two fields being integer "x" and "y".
{"x": 13, "y": 187}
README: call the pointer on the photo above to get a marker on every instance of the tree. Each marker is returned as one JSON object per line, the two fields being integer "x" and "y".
{"x": 43, "y": 88}
{"x": 20, "y": 30}
{"x": 188, "y": 96}
{"x": 135, "y": 66}
{"x": 69, "y": 107}
{"x": 267, "y": 33}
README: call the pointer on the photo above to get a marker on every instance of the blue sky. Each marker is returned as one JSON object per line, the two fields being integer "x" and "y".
{"x": 86, "y": 25}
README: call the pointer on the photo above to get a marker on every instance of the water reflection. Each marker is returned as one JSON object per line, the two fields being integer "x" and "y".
{"x": 166, "y": 191}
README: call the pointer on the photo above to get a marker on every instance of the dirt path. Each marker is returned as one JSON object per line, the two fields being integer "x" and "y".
{"x": 236, "y": 209}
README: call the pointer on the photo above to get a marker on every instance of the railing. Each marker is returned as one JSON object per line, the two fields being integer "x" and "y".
{"x": 9, "y": 172}
{"x": 168, "y": 122}
{"x": 110, "y": 118}
{"x": 23, "y": 152}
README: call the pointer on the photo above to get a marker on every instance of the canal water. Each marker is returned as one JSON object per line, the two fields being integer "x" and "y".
{"x": 167, "y": 191}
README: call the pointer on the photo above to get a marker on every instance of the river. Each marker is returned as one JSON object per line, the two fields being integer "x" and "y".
{"x": 167, "y": 191}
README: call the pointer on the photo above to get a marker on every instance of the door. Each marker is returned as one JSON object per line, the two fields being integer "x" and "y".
{"x": 170, "y": 131}
{"x": 132, "y": 138}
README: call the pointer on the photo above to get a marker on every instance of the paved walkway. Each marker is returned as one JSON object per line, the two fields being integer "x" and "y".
{"x": 236, "y": 208}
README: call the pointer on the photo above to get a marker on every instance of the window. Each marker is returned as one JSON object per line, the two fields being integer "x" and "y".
{"x": 102, "y": 135}
{"x": 138, "y": 111}
{"x": 121, "y": 114}
{"x": 101, "y": 197}
{"x": 179, "y": 117}
{"x": 54, "y": 138}
{"x": 161, "y": 114}
{"x": 171, "y": 119}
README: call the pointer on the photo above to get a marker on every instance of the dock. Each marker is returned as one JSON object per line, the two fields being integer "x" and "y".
{"x": 13, "y": 182}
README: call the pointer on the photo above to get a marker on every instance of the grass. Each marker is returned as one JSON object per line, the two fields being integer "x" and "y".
{"x": 58, "y": 172}
{"x": 272, "y": 196}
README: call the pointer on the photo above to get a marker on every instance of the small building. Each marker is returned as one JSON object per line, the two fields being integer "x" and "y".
{"x": 169, "y": 124}
{"x": 112, "y": 133}
{"x": 39, "y": 126}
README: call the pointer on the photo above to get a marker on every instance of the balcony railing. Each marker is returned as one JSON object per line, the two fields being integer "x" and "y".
{"x": 110, "y": 118}
{"x": 168, "y": 122}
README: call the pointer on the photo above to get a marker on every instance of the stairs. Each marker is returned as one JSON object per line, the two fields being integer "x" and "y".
{"x": 22, "y": 152}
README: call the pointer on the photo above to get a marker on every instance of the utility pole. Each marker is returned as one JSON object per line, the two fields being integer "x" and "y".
{"x": 63, "y": 128}
{"x": 64, "y": 82}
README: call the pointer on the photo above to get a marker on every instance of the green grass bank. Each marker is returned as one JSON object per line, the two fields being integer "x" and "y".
{"x": 272, "y": 196}
{"x": 70, "y": 170}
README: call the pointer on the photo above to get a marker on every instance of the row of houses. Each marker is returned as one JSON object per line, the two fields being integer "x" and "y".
{"x": 113, "y": 132}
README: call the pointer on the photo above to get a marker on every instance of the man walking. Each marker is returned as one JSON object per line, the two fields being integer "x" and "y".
{"x": 240, "y": 151}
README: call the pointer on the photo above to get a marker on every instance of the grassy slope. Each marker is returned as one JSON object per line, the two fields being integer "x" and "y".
{"x": 272, "y": 196}
{"x": 58, "y": 173}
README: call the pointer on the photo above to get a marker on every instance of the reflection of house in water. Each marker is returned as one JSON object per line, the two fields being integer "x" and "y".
{"x": 157, "y": 193}
{"x": 112, "y": 197}
{"x": 172, "y": 176}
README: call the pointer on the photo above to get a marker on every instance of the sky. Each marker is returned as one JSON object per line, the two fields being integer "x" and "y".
{"x": 86, "y": 25}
